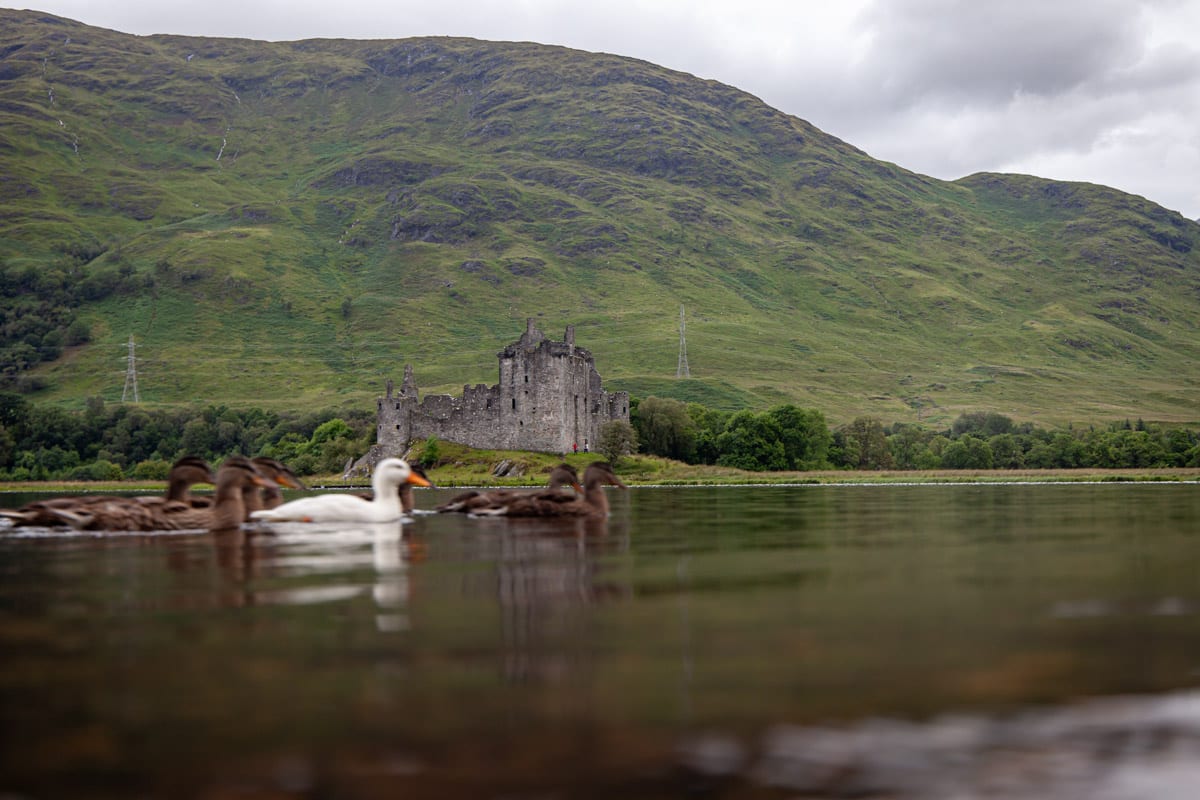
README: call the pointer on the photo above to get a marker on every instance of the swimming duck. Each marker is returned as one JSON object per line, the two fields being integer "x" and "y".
{"x": 226, "y": 511}
{"x": 593, "y": 503}
{"x": 277, "y": 474}
{"x": 389, "y": 475}
{"x": 467, "y": 502}
{"x": 407, "y": 503}
{"x": 185, "y": 473}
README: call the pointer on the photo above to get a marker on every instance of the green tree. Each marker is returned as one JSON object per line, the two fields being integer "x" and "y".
{"x": 293, "y": 449}
{"x": 334, "y": 443}
{"x": 55, "y": 461}
{"x": 1006, "y": 451}
{"x": 8, "y": 447}
{"x": 335, "y": 454}
{"x": 99, "y": 470}
{"x": 664, "y": 428}
{"x": 865, "y": 445}
{"x": 78, "y": 333}
{"x": 151, "y": 470}
{"x": 14, "y": 412}
{"x": 931, "y": 456}
{"x": 198, "y": 438}
{"x": 431, "y": 453}
{"x": 753, "y": 442}
{"x": 907, "y": 444}
{"x": 967, "y": 452}
{"x": 983, "y": 424}
{"x": 617, "y": 438}
{"x": 1061, "y": 451}
{"x": 708, "y": 424}
{"x": 1191, "y": 458}
{"x": 1177, "y": 442}
{"x": 1125, "y": 448}
{"x": 805, "y": 436}
{"x": 336, "y": 428}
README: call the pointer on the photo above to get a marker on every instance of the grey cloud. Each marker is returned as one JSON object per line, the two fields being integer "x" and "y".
{"x": 959, "y": 52}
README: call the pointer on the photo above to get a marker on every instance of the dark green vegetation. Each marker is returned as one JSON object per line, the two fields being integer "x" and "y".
{"x": 790, "y": 438}
{"x": 284, "y": 225}
{"x": 108, "y": 442}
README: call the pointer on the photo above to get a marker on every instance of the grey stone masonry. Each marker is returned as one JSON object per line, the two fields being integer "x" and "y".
{"x": 549, "y": 399}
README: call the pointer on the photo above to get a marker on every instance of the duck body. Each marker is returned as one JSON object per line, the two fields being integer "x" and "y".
{"x": 384, "y": 506}
{"x": 185, "y": 473}
{"x": 593, "y": 503}
{"x": 470, "y": 502}
{"x": 149, "y": 514}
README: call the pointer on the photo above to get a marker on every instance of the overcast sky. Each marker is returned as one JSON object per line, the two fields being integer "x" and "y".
{"x": 1106, "y": 91}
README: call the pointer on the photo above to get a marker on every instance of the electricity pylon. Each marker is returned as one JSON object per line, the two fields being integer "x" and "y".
{"x": 130, "y": 375}
{"x": 682, "y": 370}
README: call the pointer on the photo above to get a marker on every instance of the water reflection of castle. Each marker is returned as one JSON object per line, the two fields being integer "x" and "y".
{"x": 549, "y": 576}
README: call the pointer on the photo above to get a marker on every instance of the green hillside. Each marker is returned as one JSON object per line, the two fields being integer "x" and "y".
{"x": 288, "y": 224}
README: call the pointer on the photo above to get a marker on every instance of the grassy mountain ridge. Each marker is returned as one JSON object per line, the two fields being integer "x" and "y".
{"x": 290, "y": 223}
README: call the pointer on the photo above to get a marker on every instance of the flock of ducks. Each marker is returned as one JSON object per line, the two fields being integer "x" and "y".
{"x": 587, "y": 500}
{"x": 243, "y": 486}
{"x": 250, "y": 490}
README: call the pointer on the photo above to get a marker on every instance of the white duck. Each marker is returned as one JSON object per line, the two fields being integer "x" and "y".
{"x": 389, "y": 475}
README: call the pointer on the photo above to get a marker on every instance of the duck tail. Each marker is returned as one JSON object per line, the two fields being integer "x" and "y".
{"x": 79, "y": 520}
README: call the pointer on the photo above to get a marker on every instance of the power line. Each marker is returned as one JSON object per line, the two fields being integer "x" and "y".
{"x": 131, "y": 375}
{"x": 682, "y": 370}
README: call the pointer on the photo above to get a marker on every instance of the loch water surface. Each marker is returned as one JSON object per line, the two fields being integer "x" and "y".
{"x": 679, "y": 647}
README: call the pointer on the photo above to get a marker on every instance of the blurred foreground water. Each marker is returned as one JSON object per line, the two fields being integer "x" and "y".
{"x": 996, "y": 641}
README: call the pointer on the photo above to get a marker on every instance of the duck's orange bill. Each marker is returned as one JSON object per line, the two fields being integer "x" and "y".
{"x": 418, "y": 480}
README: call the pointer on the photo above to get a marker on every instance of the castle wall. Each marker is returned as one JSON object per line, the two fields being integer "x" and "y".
{"x": 549, "y": 398}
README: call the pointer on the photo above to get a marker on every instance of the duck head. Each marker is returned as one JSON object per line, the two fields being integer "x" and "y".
{"x": 396, "y": 471}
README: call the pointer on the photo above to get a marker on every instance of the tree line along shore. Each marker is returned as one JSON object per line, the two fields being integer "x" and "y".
{"x": 665, "y": 441}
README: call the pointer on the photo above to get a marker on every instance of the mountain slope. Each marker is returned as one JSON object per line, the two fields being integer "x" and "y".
{"x": 289, "y": 223}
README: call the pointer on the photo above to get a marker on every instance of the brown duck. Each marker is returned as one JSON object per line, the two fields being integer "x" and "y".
{"x": 278, "y": 475}
{"x": 593, "y": 502}
{"x": 226, "y": 511}
{"x": 185, "y": 473}
{"x": 407, "y": 503}
{"x": 469, "y": 502}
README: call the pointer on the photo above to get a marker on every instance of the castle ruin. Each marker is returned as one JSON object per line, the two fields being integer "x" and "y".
{"x": 549, "y": 399}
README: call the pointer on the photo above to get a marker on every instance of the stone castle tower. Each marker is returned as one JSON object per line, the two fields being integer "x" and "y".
{"x": 549, "y": 399}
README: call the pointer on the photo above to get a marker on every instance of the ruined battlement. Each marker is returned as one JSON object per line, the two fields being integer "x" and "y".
{"x": 549, "y": 398}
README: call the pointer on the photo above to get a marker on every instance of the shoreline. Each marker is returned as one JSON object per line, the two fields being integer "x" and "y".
{"x": 721, "y": 477}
